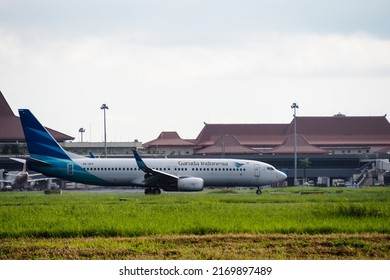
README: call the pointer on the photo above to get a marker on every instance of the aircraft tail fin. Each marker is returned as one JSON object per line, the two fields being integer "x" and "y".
{"x": 39, "y": 141}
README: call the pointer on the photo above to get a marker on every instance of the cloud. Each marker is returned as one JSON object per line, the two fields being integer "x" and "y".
{"x": 270, "y": 55}
{"x": 137, "y": 78}
{"x": 119, "y": 60}
{"x": 321, "y": 55}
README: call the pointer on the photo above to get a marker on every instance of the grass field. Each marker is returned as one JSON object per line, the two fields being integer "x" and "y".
{"x": 297, "y": 223}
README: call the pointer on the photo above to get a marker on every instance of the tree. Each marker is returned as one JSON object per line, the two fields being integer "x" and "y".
{"x": 304, "y": 163}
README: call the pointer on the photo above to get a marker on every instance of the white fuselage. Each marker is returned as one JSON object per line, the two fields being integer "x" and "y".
{"x": 214, "y": 172}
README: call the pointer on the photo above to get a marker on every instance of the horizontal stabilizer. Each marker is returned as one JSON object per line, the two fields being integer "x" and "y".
{"x": 36, "y": 162}
{"x": 21, "y": 160}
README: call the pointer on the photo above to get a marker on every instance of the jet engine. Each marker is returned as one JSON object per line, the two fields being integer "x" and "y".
{"x": 192, "y": 184}
{"x": 21, "y": 178}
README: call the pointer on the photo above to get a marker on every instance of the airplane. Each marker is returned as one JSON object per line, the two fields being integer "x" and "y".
{"x": 10, "y": 180}
{"x": 179, "y": 175}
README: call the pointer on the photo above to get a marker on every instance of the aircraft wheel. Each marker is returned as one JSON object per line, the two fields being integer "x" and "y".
{"x": 258, "y": 192}
{"x": 152, "y": 191}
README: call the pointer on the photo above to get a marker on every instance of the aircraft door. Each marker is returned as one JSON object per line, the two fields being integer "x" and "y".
{"x": 70, "y": 168}
{"x": 257, "y": 170}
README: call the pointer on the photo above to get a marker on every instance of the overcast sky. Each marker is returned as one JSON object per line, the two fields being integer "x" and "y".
{"x": 172, "y": 65}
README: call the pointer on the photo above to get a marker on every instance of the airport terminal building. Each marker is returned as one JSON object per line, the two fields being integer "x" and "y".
{"x": 330, "y": 150}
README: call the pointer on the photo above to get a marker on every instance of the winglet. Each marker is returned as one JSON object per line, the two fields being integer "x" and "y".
{"x": 141, "y": 164}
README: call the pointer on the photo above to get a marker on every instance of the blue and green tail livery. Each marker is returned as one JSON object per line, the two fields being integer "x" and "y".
{"x": 39, "y": 140}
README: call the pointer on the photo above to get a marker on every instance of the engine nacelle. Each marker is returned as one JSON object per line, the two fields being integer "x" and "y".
{"x": 192, "y": 184}
{"x": 21, "y": 178}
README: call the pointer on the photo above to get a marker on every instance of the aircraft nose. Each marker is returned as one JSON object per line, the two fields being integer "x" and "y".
{"x": 282, "y": 176}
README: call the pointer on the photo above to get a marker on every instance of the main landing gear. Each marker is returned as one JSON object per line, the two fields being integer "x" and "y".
{"x": 258, "y": 191}
{"x": 152, "y": 191}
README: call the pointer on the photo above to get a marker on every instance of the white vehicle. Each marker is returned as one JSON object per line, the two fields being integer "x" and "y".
{"x": 309, "y": 183}
{"x": 338, "y": 183}
{"x": 183, "y": 175}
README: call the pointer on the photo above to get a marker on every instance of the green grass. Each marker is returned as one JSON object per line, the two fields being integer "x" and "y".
{"x": 202, "y": 247}
{"x": 280, "y": 211}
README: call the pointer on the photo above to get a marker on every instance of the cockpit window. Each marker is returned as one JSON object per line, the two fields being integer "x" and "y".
{"x": 270, "y": 168}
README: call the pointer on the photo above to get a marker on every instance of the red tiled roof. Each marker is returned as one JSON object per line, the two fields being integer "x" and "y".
{"x": 303, "y": 147}
{"x": 348, "y": 140}
{"x": 341, "y": 126}
{"x": 5, "y": 109}
{"x": 11, "y": 128}
{"x": 168, "y": 138}
{"x": 318, "y": 131}
{"x": 241, "y": 131}
{"x": 226, "y": 144}
{"x": 341, "y": 130}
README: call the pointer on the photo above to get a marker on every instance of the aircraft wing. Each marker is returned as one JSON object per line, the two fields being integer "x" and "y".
{"x": 6, "y": 181}
{"x": 153, "y": 176}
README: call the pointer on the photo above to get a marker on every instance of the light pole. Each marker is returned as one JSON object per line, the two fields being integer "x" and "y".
{"x": 81, "y": 130}
{"x": 104, "y": 107}
{"x": 295, "y": 107}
